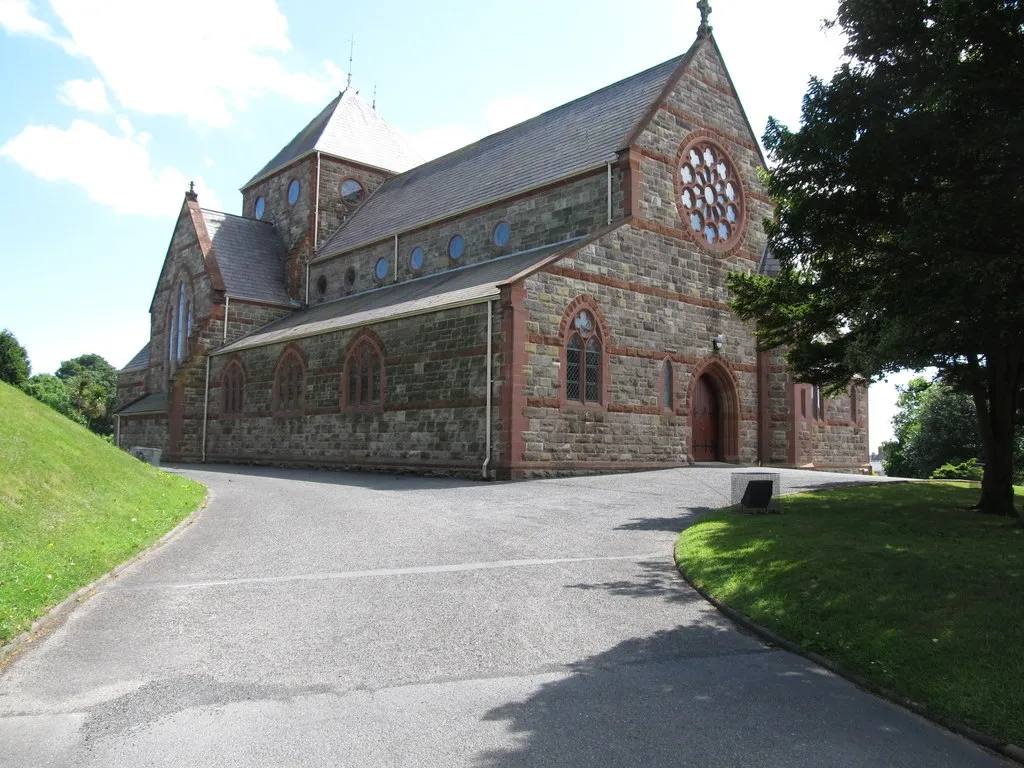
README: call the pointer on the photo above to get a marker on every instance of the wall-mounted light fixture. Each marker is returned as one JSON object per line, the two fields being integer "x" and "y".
{"x": 719, "y": 342}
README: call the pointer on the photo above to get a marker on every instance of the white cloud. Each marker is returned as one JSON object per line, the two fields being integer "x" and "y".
{"x": 434, "y": 142}
{"x": 87, "y": 95}
{"x": 497, "y": 115}
{"x": 115, "y": 171}
{"x": 159, "y": 61}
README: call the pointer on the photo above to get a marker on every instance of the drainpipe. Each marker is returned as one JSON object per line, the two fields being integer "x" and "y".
{"x": 487, "y": 407}
{"x": 316, "y": 206}
{"x": 609, "y": 195}
{"x": 307, "y": 284}
{"x": 395, "y": 280}
{"x": 206, "y": 405}
{"x": 227, "y": 306}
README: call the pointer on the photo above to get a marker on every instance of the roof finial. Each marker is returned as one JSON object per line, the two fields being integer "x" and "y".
{"x": 191, "y": 194}
{"x": 351, "y": 48}
{"x": 374, "y": 105}
{"x": 704, "y": 30}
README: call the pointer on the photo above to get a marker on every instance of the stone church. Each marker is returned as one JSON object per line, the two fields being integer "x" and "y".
{"x": 548, "y": 300}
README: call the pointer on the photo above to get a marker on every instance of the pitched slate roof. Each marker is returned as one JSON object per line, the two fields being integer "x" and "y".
{"x": 454, "y": 287}
{"x": 250, "y": 255}
{"x": 154, "y": 403}
{"x": 350, "y": 128}
{"x": 768, "y": 265}
{"x": 140, "y": 362}
{"x": 568, "y": 139}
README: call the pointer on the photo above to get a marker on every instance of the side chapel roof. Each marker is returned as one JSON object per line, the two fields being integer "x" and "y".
{"x": 563, "y": 141}
{"x": 138, "y": 363}
{"x": 250, "y": 255}
{"x": 350, "y": 128}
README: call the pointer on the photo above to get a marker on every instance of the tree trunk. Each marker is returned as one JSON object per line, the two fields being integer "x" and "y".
{"x": 996, "y": 404}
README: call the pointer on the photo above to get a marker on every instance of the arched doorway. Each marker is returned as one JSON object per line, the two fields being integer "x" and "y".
{"x": 706, "y": 420}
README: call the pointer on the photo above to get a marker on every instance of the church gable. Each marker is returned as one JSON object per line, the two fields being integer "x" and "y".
{"x": 699, "y": 137}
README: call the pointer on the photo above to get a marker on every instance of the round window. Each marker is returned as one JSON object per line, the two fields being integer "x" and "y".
{"x": 260, "y": 208}
{"x": 416, "y": 259}
{"x": 321, "y": 285}
{"x": 293, "y": 192}
{"x": 351, "y": 191}
{"x": 502, "y": 233}
{"x": 381, "y": 270}
{"x": 456, "y": 247}
{"x": 710, "y": 196}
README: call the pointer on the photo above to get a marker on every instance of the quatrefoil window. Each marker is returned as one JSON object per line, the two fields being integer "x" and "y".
{"x": 710, "y": 195}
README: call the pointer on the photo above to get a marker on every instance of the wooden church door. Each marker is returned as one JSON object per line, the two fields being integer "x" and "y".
{"x": 705, "y": 421}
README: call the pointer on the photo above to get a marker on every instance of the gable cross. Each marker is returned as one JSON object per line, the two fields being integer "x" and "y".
{"x": 704, "y": 7}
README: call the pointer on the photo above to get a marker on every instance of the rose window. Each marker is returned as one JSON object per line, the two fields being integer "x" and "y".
{"x": 710, "y": 195}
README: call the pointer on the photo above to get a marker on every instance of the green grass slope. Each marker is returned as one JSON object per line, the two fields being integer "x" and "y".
{"x": 71, "y": 508}
{"x": 899, "y": 583}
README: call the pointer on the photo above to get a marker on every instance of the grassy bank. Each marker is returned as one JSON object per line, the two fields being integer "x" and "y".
{"x": 897, "y": 582}
{"x": 71, "y": 508}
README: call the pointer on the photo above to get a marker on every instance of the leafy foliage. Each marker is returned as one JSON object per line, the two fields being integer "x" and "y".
{"x": 899, "y": 224}
{"x": 48, "y": 389}
{"x": 967, "y": 470}
{"x": 14, "y": 363}
{"x": 92, "y": 385}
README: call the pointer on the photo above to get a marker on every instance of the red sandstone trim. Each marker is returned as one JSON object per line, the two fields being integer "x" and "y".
{"x": 565, "y": 331}
{"x": 625, "y": 285}
{"x": 364, "y": 336}
{"x": 721, "y": 372}
{"x": 290, "y": 351}
{"x": 430, "y": 357}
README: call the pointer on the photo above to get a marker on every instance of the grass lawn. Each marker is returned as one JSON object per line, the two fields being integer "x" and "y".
{"x": 71, "y": 508}
{"x": 896, "y": 582}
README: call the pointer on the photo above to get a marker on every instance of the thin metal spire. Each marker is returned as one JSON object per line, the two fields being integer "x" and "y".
{"x": 351, "y": 49}
{"x": 374, "y": 105}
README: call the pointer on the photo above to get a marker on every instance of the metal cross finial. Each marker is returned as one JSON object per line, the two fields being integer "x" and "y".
{"x": 704, "y": 30}
{"x": 192, "y": 187}
{"x": 351, "y": 49}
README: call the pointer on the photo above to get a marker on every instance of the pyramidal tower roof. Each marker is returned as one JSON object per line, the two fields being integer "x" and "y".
{"x": 348, "y": 128}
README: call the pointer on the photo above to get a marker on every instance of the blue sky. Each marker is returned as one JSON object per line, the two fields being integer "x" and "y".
{"x": 112, "y": 106}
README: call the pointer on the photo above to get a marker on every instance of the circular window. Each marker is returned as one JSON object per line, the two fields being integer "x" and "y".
{"x": 416, "y": 259}
{"x": 381, "y": 270}
{"x": 260, "y": 208}
{"x": 350, "y": 277}
{"x": 351, "y": 191}
{"x": 456, "y": 247}
{"x": 710, "y": 196}
{"x": 321, "y": 285}
{"x": 502, "y": 233}
{"x": 293, "y": 191}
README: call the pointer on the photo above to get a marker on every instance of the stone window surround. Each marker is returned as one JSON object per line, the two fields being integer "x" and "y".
{"x": 365, "y": 337}
{"x": 362, "y": 191}
{"x": 291, "y": 354}
{"x": 232, "y": 375}
{"x": 566, "y": 331}
{"x": 298, "y": 195}
{"x": 673, "y": 394}
{"x": 740, "y": 227}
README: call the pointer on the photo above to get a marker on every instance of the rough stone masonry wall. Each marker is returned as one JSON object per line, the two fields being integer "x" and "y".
{"x": 648, "y": 287}
{"x": 568, "y": 210}
{"x": 837, "y": 441}
{"x": 148, "y": 431}
{"x": 131, "y": 385}
{"x": 333, "y": 209}
{"x": 432, "y": 419}
{"x": 291, "y": 220}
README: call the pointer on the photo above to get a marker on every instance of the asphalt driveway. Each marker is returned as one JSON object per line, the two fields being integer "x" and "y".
{"x": 333, "y": 619}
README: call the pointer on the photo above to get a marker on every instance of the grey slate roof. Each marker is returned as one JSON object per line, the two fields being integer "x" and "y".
{"x": 154, "y": 403}
{"x": 768, "y": 265}
{"x": 250, "y": 255}
{"x": 454, "y": 287}
{"x": 140, "y": 361}
{"x": 568, "y": 139}
{"x": 348, "y": 127}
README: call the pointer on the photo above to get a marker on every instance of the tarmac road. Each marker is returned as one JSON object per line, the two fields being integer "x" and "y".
{"x": 332, "y": 619}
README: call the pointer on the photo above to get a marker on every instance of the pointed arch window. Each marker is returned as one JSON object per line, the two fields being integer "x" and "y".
{"x": 290, "y": 383}
{"x": 583, "y": 357}
{"x": 179, "y": 326}
{"x": 233, "y": 390}
{"x": 667, "y": 380}
{"x": 364, "y": 376}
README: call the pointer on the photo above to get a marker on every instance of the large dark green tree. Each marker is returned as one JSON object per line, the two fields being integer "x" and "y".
{"x": 92, "y": 385}
{"x": 14, "y": 363}
{"x": 47, "y": 388}
{"x": 900, "y": 212}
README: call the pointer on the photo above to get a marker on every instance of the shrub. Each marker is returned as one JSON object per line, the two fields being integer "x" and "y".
{"x": 968, "y": 470}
